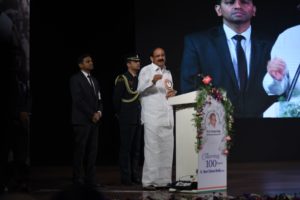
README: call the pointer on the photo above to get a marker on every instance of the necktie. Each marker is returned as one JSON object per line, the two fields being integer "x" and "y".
{"x": 241, "y": 62}
{"x": 91, "y": 83}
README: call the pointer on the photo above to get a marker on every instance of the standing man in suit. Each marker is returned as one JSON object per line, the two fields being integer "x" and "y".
{"x": 86, "y": 114}
{"x": 213, "y": 52}
{"x": 128, "y": 109}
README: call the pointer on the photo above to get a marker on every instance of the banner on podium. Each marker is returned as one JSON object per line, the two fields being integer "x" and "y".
{"x": 212, "y": 162}
{"x": 213, "y": 121}
{"x": 211, "y": 125}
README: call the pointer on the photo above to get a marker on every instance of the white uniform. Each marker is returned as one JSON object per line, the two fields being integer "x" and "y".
{"x": 287, "y": 48}
{"x": 157, "y": 117}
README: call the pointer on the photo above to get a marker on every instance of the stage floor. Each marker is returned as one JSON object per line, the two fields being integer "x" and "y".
{"x": 262, "y": 178}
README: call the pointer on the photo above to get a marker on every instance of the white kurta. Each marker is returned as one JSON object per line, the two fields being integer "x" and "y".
{"x": 158, "y": 120}
{"x": 287, "y": 48}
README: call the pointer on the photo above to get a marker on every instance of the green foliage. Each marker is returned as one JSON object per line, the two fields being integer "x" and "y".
{"x": 207, "y": 89}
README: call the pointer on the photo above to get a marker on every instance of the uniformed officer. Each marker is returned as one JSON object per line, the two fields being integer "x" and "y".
{"x": 128, "y": 111}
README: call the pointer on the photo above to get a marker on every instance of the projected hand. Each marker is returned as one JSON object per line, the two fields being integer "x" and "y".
{"x": 277, "y": 68}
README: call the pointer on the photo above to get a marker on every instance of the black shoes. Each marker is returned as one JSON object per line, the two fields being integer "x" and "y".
{"x": 152, "y": 187}
{"x": 166, "y": 187}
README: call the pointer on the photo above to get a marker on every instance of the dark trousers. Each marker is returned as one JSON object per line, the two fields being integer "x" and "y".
{"x": 130, "y": 149}
{"x": 15, "y": 139}
{"x": 85, "y": 153}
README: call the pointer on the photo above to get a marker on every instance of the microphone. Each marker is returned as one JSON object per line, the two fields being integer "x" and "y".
{"x": 293, "y": 84}
{"x": 197, "y": 80}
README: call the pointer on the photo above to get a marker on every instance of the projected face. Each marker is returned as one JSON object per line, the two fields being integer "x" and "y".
{"x": 236, "y": 11}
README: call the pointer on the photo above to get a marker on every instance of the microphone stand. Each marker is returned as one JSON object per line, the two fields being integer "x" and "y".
{"x": 293, "y": 84}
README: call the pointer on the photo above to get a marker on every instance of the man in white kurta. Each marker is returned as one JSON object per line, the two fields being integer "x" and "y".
{"x": 284, "y": 63}
{"x": 281, "y": 72}
{"x": 155, "y": 86}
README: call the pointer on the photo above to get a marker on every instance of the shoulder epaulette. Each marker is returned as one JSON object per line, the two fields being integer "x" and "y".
{"x": 123, "y": 78}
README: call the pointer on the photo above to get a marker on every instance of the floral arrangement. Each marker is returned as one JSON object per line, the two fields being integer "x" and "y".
{"x": 219, "y": 95}
{"x": 288, "y": 108}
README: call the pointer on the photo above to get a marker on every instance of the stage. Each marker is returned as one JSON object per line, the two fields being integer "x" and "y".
{"x": 256, "y": 178}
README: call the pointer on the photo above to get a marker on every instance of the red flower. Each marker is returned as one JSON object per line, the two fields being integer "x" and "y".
{"x": 207, "y": 80}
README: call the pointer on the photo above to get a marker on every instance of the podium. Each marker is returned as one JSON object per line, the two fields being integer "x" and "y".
{"x": 209, "y": 165}
{"x": 186, "y": 156}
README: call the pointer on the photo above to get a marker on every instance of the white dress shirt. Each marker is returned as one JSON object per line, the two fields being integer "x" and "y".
{"x": 246, "y": 44}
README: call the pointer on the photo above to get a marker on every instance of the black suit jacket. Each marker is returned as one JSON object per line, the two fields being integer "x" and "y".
{"x": 84, "y": 100}
{"x": 208, "y": 53}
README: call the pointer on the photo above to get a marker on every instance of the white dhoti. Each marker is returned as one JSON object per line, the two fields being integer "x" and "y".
{"x": 158, "y": 151}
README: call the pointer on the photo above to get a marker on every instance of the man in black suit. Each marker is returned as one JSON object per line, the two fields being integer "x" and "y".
{"x": 86, "y": 114}
{"x": 213, "y": 52}
{"x": 128, "y": 109}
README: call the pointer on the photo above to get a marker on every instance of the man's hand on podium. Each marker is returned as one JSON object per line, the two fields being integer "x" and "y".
{"x": 171, "y": 93}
